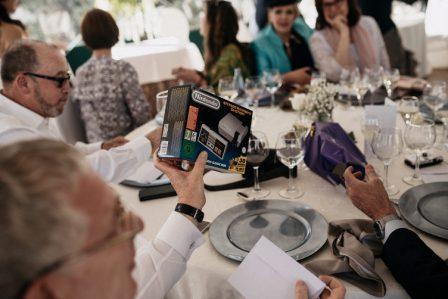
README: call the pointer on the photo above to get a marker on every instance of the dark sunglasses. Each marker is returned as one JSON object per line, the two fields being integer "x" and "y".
{"x": 60, "y": 80}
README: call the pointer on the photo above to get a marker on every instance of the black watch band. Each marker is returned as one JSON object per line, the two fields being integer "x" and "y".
{"x": 190, "y": 211}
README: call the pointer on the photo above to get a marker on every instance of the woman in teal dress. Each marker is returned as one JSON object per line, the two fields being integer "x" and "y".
{"x": 283, "y": 44}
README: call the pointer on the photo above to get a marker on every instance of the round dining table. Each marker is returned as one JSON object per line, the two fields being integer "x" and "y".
{"x": 207, "y": 271}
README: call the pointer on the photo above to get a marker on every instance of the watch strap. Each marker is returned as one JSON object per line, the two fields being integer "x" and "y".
{"x": 380, "y": 225}
{"x": 190, "y": 211}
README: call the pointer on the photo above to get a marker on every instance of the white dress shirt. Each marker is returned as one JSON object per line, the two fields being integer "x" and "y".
{"x": 161, "y": 263}
{"x": 18, "y": 123}
{"x": 392, "y": 226}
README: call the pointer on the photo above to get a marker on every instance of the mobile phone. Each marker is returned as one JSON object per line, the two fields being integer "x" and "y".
{"x": 154, "y": 192}
{"x": 425, "y": 161}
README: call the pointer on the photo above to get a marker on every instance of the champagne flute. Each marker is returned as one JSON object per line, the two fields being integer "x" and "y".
{"x": 272, "y": 81}
{"x": 257, "y": 152}
{"x": 386, "y": 145}
{"x": 369, "y": 125}
{"x": 289, "y": 150}
{"x": 419, "y": 135}
{"x": 408, "y": 107}
{"x": 389, "y": 78}
{"x": 227, "y": 88}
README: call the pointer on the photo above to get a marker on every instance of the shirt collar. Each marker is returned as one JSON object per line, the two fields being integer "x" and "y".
{"x": 25, "y": 115}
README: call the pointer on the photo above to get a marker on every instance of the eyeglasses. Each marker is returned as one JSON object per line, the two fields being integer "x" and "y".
{"x": 60, "y": 80}
{"x": 128, "y": 226}
{"x": 331, "y": 4}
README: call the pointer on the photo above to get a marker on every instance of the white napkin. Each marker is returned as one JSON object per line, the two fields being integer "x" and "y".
{"x": 268, "y": 272}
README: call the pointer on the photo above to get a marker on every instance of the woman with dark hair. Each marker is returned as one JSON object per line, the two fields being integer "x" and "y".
{"x": 10, "y": 29}
{"x": 110, "y": 98}
{"x": 346, "y": 40}
{"x": 223, "y": 52}
{"x": 282, "y": 45}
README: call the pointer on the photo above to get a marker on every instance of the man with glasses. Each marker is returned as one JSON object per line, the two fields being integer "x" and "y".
{"x": 64, "y": 233}
{"x": 36, "y": 86}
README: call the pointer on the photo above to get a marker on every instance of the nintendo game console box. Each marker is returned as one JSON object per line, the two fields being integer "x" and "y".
{"x": 195, "y": 121}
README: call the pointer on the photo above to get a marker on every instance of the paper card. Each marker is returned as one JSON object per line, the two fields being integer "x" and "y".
{"x": 268, "y": 272}
{"x": 438, "y": 173}
{"x": 386, "y": 115}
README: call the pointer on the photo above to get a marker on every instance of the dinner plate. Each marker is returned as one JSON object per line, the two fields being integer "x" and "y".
{"x": 294, "y": 227}
{"x": 426, "y": 207}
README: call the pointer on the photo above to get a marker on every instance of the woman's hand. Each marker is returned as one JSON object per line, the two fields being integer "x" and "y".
{"x": 187, "y": 75}
{"x": 300, "y": 76}
{"x": 340, "y": 23}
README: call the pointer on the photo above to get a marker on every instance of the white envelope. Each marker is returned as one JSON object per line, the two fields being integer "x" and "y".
{"x": 268, "y": 272}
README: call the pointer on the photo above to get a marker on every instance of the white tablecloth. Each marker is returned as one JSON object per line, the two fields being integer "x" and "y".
{"x": 207, "y": 272}
{"x": 155, "y": 59}
{"x": 411, "y": 25}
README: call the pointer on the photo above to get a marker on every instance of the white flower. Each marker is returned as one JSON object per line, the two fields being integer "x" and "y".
{"x": 298, "y": 101}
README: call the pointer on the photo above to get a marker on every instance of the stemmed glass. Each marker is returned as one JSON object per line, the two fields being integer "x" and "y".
{"x": 419, "y": 135}
{"x": 386, "y": 145}
{"x": 389, "y": 78}
{"x": 408, "y": 107}
{"x": 362, "y": 86}
{"x": 227, "y": 88}
{"x": 369, "y": 125}
{"x": 434, "y": 96}
{"x": 272, "y": 81}
{"x": 253, "y": 87}
{"x": 161, "y": 99}
{"x": 257, "y": 152}
{"x": 289, "y": 150}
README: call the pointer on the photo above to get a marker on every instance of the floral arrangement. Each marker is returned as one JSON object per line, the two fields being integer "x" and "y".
{"x": 318, "y": 103}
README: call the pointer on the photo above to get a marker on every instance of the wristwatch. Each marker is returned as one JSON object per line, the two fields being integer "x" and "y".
{"x": 190, "y": 211}
{"x": 379, "y": 225}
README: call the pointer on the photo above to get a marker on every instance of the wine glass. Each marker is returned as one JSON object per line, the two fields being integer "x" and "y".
{"x": 161, "y": 99}
{"x": 419, "y": 135}
{"x": 386, "y": 145}
{"x": 344, "y": 89}
{"x": 408, "y": 107}
{"x": 289, "y": 150}
{"x": 257, "y": 152}
{"x": 272, "y": 81}
{"x": 389, "y": 78}
{"x": 369, "y": 125}
{"x": 443, "y": 116}
{"x": 253, "y": 87}
{"x": 362, "y": 86}
{"x": 227, "y": 88}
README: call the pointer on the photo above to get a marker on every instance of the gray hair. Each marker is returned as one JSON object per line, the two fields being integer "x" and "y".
{"x": 37, "y": 224}
{"x": 21, "y": 57}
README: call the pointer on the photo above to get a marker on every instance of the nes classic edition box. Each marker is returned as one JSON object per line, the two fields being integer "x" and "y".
{"x": 196, "y": 120}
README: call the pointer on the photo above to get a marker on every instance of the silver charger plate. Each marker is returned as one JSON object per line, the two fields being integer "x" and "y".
{"x": 426, "y": 207}
{"x": 294, "y": 227}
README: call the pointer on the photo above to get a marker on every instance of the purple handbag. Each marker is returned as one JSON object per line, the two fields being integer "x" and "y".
{"x": 326, "y": 146}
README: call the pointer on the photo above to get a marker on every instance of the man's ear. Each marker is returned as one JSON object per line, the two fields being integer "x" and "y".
{"x": 23, "y": 83}
{"x": 40, "y": 289}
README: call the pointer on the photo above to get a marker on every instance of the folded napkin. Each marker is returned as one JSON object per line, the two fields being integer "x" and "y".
{"x": 147, "y": 174}
{"x": 438, "y": 173}
{"x": 354, "y": 246}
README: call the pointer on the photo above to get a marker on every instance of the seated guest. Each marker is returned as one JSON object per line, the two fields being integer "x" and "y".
{"x": 110, "y": 98}
{"x": 413, "y": 264}
{"x": 10, "y": 29}
{"x": 261, "y": 17}
{"x": 35, "y": 88}
{"x": 280, "y": 46}
{"x": 381, "y": 10}
{"x": 65, "y": 234}
{"x": 223, "y": 52}
{"x": 346, "y": 40}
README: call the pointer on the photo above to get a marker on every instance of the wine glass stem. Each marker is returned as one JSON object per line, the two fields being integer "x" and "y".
{"x": 386, "y": 174}
{"x": 256, "y": 181}
{"x": 291, "y": 186}
{"x": 417, "y": 166}
{"x": 272, "y": 98}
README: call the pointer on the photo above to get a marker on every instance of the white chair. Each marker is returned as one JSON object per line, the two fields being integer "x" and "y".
{"x": 172, "y": 22}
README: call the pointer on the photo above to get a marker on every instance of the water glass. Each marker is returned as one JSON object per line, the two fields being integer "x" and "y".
{"x": 386, "y": 145}
{"x": 289, "y": 151}
{"x": 257, "y": 152}
{"x": 272, "y": 80}
{"x": 419, "y": 135}
{"x": 408, "y": 107}
{"x": 227, "y": 88}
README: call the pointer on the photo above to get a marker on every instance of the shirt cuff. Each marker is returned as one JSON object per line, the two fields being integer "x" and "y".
{"x": 181, "y": 234}
{"x": 141, "y": 147}
{"x": 392, "y": 226}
